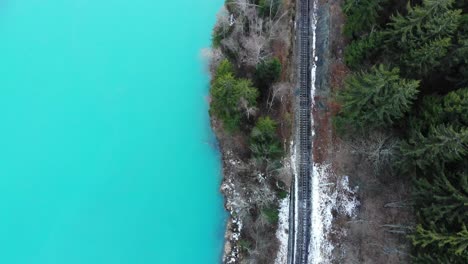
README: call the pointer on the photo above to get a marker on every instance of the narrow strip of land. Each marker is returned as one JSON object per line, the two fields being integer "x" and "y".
{"x": 301, "y": 217}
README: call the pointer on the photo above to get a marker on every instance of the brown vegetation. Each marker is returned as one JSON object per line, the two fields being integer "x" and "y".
{"x": 252, "y": 190}
{"x": 377, "y": 235}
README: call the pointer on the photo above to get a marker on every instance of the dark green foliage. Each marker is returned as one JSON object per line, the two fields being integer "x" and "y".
{"x": 443, "y": 144}
{"x": 437, "y": 149}
{"x": 437, "y": 257}
{"x": 457, "y": 68}
{"x": 434, "y": 19}
{"x": 450, "y": 109}
{"x": 231, "y": 96}
{"x": 420, "y": 39}
{"x": 455, "y": 107}
{"x": 282, "y": 194}
{"x": 375, "y": 99}
{"x": 225, "y": 67}
{"x": 271, "y": 214}
{"x": 362, "y": 49}
{"x": 443, "y": 198}
{"x": 361, "y": 15}
{"x": 458, "y": 64}
{"x": 245, "y": 244}
{"x": 428, "y": 41}
{"x": 425, "y": 59}
{"x": 217, "y": 36}
{"x": 268, "y": 72}
{"x": 264, "y": 142}
{"x": 268, "y": 8}
{"x": 455, "y": 243}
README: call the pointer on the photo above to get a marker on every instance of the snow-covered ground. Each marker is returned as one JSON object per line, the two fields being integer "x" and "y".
{"x": 282, "y": 232}
{"x": 296, "y": 188}
{"x": 329, "y": 194}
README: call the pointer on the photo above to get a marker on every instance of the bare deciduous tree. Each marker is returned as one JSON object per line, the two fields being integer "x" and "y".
{"x": 252, "y": 46}
{"x": 262, "y": 196}
{"x": 379, "y": 148}
{"x": 248, "y": 109}
{"x": 214, "y": 56}
{"x": 223, "y": 21}
{"x": 278, "y": 92}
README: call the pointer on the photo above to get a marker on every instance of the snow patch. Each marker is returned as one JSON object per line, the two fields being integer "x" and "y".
{"x": 329, "y": 194}
{"x": 293, "y": 152}
{"x": 283, "y": 231}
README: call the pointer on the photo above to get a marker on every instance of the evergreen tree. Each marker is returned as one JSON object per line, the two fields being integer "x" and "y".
{"x": 375, "y": 99}
{"x": 455, "y": 107}
{"x": 458, "y": 64}
{"x": 437, "y": 257}
{"x": 420, "y": 39}
{"x": 428, "y": 41}
{"x": 425, "y": 59}
{"x": 363, "y": 49}
{"x": 268, "y": 72}
{"x": 225, "y": 67}
{"x": 264, "y": 142}
{"x": 361, "y": 15}
{"x": 434, "y": 19}
{"x": 229, "y": 97}
{"x": 455, "y": 243}
{"x": 443, "y": 199}
{"x": 443, "y": 144}
{"x": 434, "y": 110}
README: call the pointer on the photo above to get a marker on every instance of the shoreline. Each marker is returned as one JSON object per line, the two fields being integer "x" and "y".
{"x": 241, "y": 178}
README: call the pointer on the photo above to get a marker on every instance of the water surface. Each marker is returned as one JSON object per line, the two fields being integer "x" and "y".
{"x": 106, "y": 154}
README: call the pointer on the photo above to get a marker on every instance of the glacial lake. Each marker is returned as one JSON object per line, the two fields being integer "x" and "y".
{"x": 106, "y": 154}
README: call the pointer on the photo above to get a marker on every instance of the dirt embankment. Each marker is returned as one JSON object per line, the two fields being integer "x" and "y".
{"x": 377, "y": 233}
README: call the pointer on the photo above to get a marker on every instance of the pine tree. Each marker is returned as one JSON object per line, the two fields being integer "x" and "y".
{"x": 435, "y": 256}
{"x": 376, "y": 98}
{"x": 434, "y": 110}
{"x": 455, "y": 243}
{"x": 455, "y": 107}
{"x": 434, "y": 19}
{"x": 268, "y": 72}
{"x": 264, "y": 142}
{"x": 420, "y": 39}
{"x": 229, "y": 97}
{"x": 442, "y": 198}
{"x": 443, "y": 144}
{"x": 225, "y": 67}
{"x": 425, "y": 59}
{"x": 363, "y": 49}
{"x": 361, "y": 15}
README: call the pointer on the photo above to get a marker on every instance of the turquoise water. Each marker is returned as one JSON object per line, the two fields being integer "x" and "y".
{"x": 106, "y": 154}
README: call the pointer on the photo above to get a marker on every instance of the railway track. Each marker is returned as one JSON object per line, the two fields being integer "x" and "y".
{"x": 299, "y": 244}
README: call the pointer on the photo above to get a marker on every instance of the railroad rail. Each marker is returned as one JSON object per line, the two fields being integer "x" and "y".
{"x": 301, "y": 231}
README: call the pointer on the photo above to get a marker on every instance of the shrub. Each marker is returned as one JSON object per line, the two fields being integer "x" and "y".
{"x": 264, "y": 142}
{"x": 272, "y": 214}
{"x": 268, "y": 72}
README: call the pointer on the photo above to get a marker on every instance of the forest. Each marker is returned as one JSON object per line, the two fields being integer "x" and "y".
{"x": 249, "y": 108}
{"x": 409, "y": 80}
